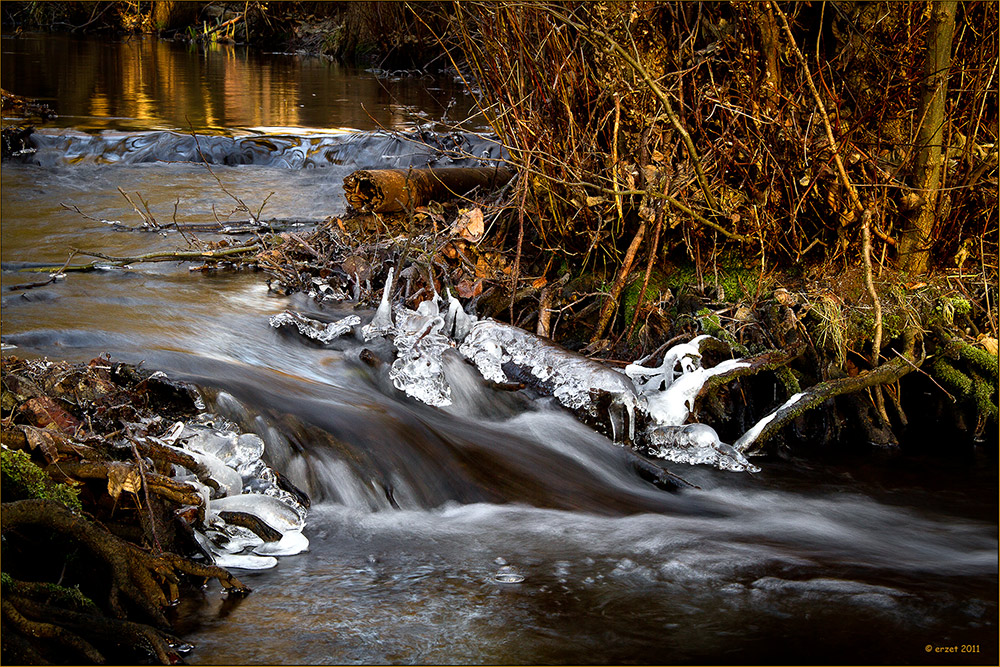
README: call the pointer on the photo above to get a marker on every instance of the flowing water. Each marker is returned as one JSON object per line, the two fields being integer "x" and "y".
{"x": 498, "y": 529}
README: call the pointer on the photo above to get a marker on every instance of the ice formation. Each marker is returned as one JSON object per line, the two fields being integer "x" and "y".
{"x": 574, "y": 380}
{"x": 661, "y": 397}
{"x": 686, "y": 356}
{"x": 670, "y": 391}
{"x": 310, "y": 328}
{"x": 382, "y": 322}
{"x": 419, "y": 368}
{"x": 696, "y": 444}
{"x": 245, "y": 484}
{"x": 748, "y": 438}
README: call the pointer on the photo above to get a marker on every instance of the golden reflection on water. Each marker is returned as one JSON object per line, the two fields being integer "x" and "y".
{"x": 146, "y": 83}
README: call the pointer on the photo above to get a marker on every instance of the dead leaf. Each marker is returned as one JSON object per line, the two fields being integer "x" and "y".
{"x": 43, "y": 439}
{"x": 123, "y": 477}
{"x": 539, "y": 283}
{"x": 470, "y": 225}
{"x": 356, "y": 266}
{"x": 43, "y": 411}
{"x": 989, "y": 344}
{"x": 468, "y": 290}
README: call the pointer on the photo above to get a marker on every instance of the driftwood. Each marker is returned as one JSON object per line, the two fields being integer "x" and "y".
{"x": 390, "y": 190}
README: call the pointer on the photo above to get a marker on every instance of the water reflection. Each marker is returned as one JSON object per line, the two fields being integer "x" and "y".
{"x": 146, "y": 83}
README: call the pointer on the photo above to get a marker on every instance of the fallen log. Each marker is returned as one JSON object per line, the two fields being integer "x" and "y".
{"x": 391, "y": 190}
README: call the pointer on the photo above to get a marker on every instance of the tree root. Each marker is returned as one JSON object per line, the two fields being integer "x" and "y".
{"x": 134, "y": 572}
{"x": 43, "y": 630}
{"x": 887, "y": 373}
{"x": 181, "y": 493}
{"x": 97, "y": 628}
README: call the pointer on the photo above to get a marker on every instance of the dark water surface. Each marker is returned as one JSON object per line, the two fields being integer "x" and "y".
{"x": 421, "y": 515}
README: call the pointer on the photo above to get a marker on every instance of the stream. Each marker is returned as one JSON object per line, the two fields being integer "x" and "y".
{"x": 499, "y": 529}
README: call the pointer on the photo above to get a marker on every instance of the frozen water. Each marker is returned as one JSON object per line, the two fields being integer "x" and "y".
{"x": 272, "y": 511}
{"x": 696, "y": 444}
{"x": 231, "y": 539}
{"x": 672, "y": 406}
{"x": 671, "y": 391}
{"x": 314, "y": 329}
{"x": 382, "y": 322}
{"x": 291, "y": 543}
{"x": 238, "y": 451}
{"x": 419, "y": 369}
{"x": 457, "y": 323}
{"x": 748, "y": 438}
{"x": 686, "y": 356}
{"x": 575, "y": 381}
{"x": 227, "y": 560}
{"x": 229, "y": 480}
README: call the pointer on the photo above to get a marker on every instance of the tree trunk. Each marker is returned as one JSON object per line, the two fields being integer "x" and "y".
{"x": 915, "y": 243}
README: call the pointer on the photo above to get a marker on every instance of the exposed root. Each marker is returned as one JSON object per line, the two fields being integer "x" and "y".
{"x": 887, "y": 373}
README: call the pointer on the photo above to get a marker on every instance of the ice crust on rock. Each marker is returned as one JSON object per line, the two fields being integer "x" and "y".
{"x": 291, "y": 543}
{"x": 696, "y": 444}
{"x": 575, "y": 381}
{"x": 319, "y": 331}
{"x": 246, "y": 484}
{"x": 275, "y": 513}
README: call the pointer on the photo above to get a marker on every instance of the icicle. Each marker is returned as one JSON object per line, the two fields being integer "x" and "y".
{"x": 382, "y": 322}
{"x": 457, "y": 323}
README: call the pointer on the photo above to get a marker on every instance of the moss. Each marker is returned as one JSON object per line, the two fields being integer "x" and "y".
{"x": 710, "y": 323}
{"x": 953, "y": 379}
{"x": 72, "y": 598}
{"x": 23, "y": 479}
{"x": 736, "y": 282}
{"x": 983, "y": 395}
{"x": 948, "y": 308}
{"x": 630, "y": 295}
{"x": 981, "y": 360}
{"x": 788, "y": 380}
